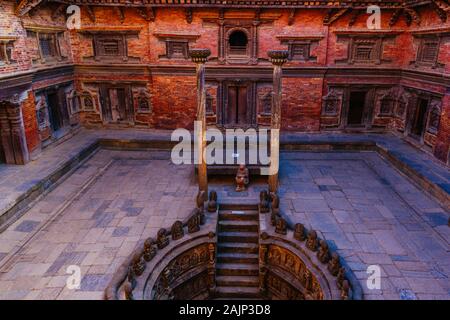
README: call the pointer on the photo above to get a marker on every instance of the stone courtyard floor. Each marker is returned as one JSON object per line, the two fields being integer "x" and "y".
{"x": 364, "y": 207}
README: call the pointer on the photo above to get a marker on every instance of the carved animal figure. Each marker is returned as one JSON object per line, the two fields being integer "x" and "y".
{"x": 177, "y": 230}
{"x": 334, "y": 265}
{"x": 242, "y": 178}
{"x": 281, "y": 226}
{"x": 149, "y": 249}
{"x": 162, "y": 240}
{"x": 299, "y": 232}
{"x": 264, "y": 201}
{"x": 324, "y": 253}
{"x": 312, "y": 242}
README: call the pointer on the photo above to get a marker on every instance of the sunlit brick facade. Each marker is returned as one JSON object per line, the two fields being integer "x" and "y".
{"x": 128, "y": 66}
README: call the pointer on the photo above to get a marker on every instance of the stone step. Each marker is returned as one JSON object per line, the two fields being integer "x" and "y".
{"x": 232, "y": 247}
{"x": 238, "y": 281}
{"x": 237, "y": 269}
{"x": 238, "y": 215}
{"x": 239, "y": 225}
{"x": 237, "y": 292}
{"x": 237, "y": 236}
{"x": 236, "y": 257}
{"x": 239, "y": 206}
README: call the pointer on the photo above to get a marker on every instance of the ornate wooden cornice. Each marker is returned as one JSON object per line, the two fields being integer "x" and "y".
{"x": 241, "y": 4}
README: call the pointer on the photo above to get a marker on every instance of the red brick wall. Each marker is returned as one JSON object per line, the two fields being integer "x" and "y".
{"x": 441, "y": 149}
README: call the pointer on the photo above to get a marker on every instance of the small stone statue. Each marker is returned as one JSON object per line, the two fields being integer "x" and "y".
{"x": 138, "y": 264}
{"x": 345, "y": 290}
{"x": 212, "y": 203}
{"x": 149, "y": 249}
{"x": 308, "y": 280}
{"x": 299, "y": 232}
{"x": 162, "y": 240}
{"x": 177, "y": 230}
{"x": 324, "y": 253}
{"x": 334, "y": 265}
{"x": 263, "y": 201}
{"x": 194, "y": 222}
{"x": 281, "y": 226}
{"x": 340, "y": 277}
{"x": 242, "y": 178}
{"x": 200, "y": 200}
{"x": 312, "y": 242}
{"x": 275, "y": 202}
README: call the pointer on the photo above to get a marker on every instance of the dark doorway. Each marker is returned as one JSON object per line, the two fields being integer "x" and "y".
{"x": 54, "y": 111}
{"x": 2, "y": 153}
{"x": 356, "y": 108}
{"x": 237, "y": 112}
{"x": 418, "y": 124}
{"x": 116, "y": 106}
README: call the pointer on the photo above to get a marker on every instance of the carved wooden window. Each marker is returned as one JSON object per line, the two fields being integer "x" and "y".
{"x": 109, "y": 46}
{"x": 238, "y": 43}
{"x": 48, "y": 45}
{"x": 428, "y": 51}
{"x": 143, "y": 104}
{"x": 209, "y": 103}
{"x": 6, "y": 48}
{"x": 434, "y": 119}
{"x": 87, "y": 102}
{"x": 177, "y": 49}
{"x": 266, "y": 103}
{"x": 299, "y": 51}
{"x": 331, "y": 104}
{"x": 364, "y": 51}
{"x": 386, "y": 106}
{"x": 41, "y": 115}
{"x": 401, "y": 107}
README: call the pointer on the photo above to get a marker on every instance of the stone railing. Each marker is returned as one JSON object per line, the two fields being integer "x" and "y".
{"x": 178, "y": 264}
{"x": 294, "y": 260}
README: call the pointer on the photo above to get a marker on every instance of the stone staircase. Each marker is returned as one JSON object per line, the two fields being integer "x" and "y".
{"x": 237, "y": 268}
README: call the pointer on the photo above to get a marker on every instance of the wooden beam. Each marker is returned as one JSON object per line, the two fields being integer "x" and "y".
{"x": 355, "y": 14}
{"x": 90, "y": 12}
{"x": 148, "y": 13}
{"x": 395, "y": 16}
{"x": 291, "y": 18}
{"x": 413, "y": 14}
{"x": 189, "y": 15}
{"x": 121, "y": 12}
{"x": 25, "y": 6}
{"x": 439, "y": 8}
{"x": 60, "y": 10}
{"x": 333, "y": 15}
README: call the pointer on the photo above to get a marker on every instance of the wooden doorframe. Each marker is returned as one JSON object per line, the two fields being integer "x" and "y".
{"x": 106, "y": 102}
{"x": 251, "y": 103}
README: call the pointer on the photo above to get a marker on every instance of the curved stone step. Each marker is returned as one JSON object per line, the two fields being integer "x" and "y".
{"x": 230, "y": 247}
{"x": 240, "y": 225}
{"x": 237, "y": 269}
{"x": 237, "y": 236}
{"x": 238, "y": 281}
{"x": 237, "y": 257}
{"x": 237, "y": 292}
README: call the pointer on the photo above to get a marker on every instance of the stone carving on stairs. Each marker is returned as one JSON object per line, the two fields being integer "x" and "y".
{"x": 242, "y": 178}
{"x": 212, "y": 203}
{"x": 312, "y": 242}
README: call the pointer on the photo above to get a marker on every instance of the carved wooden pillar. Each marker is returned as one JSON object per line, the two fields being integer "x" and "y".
{"x": 18, "y": 139}
{"x": 12, "y": 133}
{"x": 5, "y": 135}
{"x": 278, "y": 58}
{"x": 200, "y": 56}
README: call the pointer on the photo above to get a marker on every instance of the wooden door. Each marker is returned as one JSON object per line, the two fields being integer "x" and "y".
{"x": 236, "y": 108}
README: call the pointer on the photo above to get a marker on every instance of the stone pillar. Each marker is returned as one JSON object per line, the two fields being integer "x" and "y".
{"x": 200, "y": 56}
{"x": 278, "y": 58}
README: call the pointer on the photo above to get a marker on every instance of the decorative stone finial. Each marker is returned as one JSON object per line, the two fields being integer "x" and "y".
{"x": 278, "y": 57}
{"x": 199, "y": 55}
